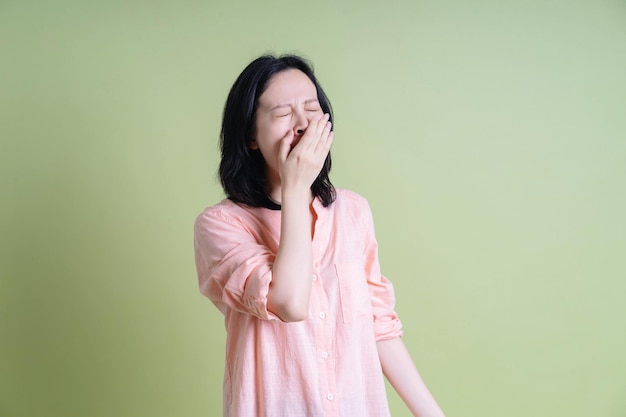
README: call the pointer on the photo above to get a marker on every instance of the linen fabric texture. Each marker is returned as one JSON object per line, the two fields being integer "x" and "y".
{"x": 326, "y": 365}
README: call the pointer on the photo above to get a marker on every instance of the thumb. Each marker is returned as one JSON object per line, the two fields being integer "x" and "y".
{"x": 285, "y": 146}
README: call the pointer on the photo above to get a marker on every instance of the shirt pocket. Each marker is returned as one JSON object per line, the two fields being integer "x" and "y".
{"x": 353, "y": 292}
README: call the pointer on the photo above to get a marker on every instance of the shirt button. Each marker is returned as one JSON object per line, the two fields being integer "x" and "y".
{"x": 324, "y": 355}
{"x": 314, "y": 277}
{"x": 322, "y": 315}
{"x": 330, "y": 397}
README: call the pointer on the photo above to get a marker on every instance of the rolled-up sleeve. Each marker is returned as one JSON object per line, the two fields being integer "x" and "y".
{"x": 234, "y": 270}
{"x": 387, "y": 325}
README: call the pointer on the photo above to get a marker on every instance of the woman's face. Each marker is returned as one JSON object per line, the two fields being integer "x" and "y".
{"x": 287, "y": 105}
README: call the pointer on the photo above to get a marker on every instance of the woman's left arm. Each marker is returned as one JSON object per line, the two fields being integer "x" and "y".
{"x": 401, "y": 372}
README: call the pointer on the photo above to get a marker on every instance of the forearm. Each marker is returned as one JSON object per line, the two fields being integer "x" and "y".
{"x": 290, "y": 290}
{"x": 299, "y": 165}
{"x": 402, "y": 374}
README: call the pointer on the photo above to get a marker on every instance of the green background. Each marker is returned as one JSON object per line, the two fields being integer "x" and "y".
{"x": 488, "y": 136}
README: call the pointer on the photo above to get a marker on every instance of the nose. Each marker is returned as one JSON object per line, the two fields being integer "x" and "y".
{"x": 301, "y": 123}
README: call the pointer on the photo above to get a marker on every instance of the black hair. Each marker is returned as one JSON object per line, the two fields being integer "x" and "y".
{"x": 242, "y": 169}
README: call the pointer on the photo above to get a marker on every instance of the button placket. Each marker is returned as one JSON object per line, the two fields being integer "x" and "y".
{"x": 324, "y": 325}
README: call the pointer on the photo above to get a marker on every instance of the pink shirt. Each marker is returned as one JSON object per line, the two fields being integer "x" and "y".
{"x": 326, "y": 365}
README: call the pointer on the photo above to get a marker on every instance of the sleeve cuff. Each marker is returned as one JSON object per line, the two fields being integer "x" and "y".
{"x": 388, "y": 329}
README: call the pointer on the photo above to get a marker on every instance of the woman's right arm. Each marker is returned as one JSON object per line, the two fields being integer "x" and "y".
{"x": 237, "y": 272}
{"x": 290, "y": 289}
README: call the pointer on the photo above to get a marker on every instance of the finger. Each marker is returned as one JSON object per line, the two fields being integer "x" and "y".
{"x": 313, "y": 131}
{"x": 328, "y": 144}
{"x": 285, "y": 146}
{"x": 325, "y": 136}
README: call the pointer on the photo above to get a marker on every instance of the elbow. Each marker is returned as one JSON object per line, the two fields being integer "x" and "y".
{"x": 288, "y": 303}
{"x": 292, "y": 316}
{"x": 290, "y": 312}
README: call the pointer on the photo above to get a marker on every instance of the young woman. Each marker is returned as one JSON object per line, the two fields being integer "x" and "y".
{"x": 292, "y": 263}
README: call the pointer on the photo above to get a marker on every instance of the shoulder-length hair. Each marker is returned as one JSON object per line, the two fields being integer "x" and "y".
{"x": 242, "y": 169}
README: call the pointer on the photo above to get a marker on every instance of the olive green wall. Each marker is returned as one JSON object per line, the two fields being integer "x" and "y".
{"x": 489, "y": 137}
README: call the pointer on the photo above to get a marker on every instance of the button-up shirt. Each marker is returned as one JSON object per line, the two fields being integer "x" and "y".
{"x": 326, "y": 365}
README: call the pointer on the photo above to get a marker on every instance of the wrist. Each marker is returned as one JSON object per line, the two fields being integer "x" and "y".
{"x": 295, "y": 195}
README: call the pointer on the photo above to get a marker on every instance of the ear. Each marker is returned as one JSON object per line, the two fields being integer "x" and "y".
{"x": 253, "y": 145}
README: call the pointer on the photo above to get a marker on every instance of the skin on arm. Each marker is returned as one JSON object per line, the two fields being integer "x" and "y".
{"x": 290, "y": 290}
{"x": 402, "y": 374}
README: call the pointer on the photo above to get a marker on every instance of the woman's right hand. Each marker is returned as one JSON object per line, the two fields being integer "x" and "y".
{"x": 300, "y": 162}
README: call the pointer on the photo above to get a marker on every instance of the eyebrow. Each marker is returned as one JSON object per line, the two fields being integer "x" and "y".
{"x": 308, "y": 101}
